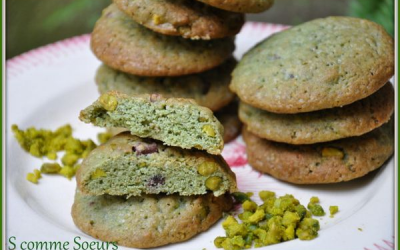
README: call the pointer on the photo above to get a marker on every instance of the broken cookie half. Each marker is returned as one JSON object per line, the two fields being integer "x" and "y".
{"x": 131, "y": 166}
{"x": 174, "y": 121}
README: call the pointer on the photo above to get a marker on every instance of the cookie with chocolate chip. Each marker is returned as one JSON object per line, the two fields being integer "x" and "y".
{"x": 132, "y": 166}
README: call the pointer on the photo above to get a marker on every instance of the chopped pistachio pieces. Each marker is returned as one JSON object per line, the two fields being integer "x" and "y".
{"x": 278, "y": 219}
{"x": 47, "y": 143}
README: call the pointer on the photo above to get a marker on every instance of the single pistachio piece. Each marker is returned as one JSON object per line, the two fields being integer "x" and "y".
{"x": 104, "y": 137}
{"x": 108, "y": 102}
{"x": 32, "y": 178}
{"x": 67, "y": 171}
{"x": 98, "y": 173}
{"x": 218, "y": 241}
{"x": 249, "y": 206}
{"x": 314, "y": 199}
{"x": 213, "y": 183}
{"x": 73, "y": 145}
{"x": 37, "y": 174}
{"x": 207, "y": 168}
{"x": 332, "y": 152}
{"x": 316, "y": 209}
{"x": 202, "y": 119}
{"x": 265, "y": 195}
{"x": 333, "y": 210}
{"x": 52, "y": 155}
{"x": 157, "y": 19}
{"x": 69, "y": 159}
{"x": 50, "y": 168}
{"x": 142, "y": 165}
{"x": 203, "y": 213}
{"x": 258, "y": 216}
{"x": 208, "y": 130}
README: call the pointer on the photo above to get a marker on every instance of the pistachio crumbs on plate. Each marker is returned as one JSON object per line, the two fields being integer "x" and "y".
{"x": 277, "y": 220}
{"x": 47, "y": 143}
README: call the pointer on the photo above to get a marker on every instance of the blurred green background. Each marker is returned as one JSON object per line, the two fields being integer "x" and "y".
{"x": 33, "y": 23}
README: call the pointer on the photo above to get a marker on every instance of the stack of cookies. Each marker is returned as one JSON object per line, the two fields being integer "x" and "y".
{"x": 316, "y": 101}
{"x": 180, "y": 48}
{"x": 160, "y": 182}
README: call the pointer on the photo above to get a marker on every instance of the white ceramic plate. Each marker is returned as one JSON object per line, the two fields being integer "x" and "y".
{"x": 47, "y": 88}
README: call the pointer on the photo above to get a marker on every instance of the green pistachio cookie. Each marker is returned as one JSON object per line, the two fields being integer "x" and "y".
{"x": 244, "y": 6}
{"x": 125, "y": 45}
{"x": 186, "y": 18}
{"x": 174, "y": 121}
{"x": 132, "y": 166}
{"x": 324, "y": 63}
{"x": 147, "y": 221}
{"x": 327, "y": 162}
{"x": 227, "y": 116}
{"x": 209, "y": 89}
{"x": 324, "y": 125}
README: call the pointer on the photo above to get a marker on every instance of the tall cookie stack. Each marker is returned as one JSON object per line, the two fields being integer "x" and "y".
{"x": 177, "y": 48}
{"x": 164, "y": 180}
{"x": 161, "y": 182}
{"x": 316, "y": 101}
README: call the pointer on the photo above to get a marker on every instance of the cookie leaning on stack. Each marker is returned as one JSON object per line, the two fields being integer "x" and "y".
{"x": 313, "y": 84}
